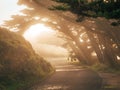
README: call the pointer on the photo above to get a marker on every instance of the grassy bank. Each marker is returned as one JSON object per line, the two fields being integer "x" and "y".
{"x": 110, "y": 76}
{"x": 20, "y": 66}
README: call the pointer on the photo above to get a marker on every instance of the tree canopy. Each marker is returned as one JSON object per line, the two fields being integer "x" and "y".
{"x": 90, "y": 42}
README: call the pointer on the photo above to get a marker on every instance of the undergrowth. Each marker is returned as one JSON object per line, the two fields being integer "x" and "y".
{"x": 105, "y": 68}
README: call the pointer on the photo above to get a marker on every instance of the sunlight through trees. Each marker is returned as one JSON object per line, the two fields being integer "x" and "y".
{"x": 87, "y": 37}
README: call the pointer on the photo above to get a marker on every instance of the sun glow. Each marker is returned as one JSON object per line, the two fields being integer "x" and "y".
{"x": 45, "y": 41}
{"x": 38, "y": 30}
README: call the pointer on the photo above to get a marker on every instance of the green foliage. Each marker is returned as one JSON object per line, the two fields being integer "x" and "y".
{"x": 111, "y": 87}
{"x": 99, "y": 67}
{"x": 105, "y": 68}
{"x": 63, "y": 7}
{"x": 101, "y": 9}
{"x": 19, "y": 64}
{"x": 65, "y": 1}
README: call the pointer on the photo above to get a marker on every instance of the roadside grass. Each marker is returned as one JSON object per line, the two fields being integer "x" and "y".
{"x": 110, "y": 87}
{"x": 104, "y": 68}
{"x": 97, "y": 67}
{"x": 37, "y": 80}
{"x": 110, "y": 76}
{"x": 23, "y": 84}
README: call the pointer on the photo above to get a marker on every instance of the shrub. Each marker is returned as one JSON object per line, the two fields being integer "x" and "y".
{"x": 18, "y": 61}
{"x": 63, "y": 7}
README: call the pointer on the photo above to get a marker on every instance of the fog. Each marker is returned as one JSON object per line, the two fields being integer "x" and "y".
{"x": 45, "y": 42}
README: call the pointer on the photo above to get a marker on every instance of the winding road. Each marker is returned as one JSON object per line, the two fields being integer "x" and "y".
{"x": 70, "y": 77}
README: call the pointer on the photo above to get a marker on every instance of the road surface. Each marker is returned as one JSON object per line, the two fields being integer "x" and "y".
{"x": 70, "y": 77}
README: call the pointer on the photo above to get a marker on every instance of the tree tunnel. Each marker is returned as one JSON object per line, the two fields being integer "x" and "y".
{"x": 89, "y": 40}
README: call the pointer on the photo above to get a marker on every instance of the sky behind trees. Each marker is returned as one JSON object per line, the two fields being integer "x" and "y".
{"x": 8, "y": 8}
{"x": 43, "y": 41}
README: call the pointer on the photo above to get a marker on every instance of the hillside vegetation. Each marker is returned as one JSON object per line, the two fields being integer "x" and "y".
{"x": 19, "y": 64}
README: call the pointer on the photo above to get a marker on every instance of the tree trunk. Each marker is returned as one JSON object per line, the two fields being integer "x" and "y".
{"x": 78, "y": 53}
{"x": 109, "y": 54}
{"x": 96, "y": 47}
{"x": 83, "y": 49}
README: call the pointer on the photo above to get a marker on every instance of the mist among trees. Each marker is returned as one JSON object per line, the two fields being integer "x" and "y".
{"x": 84, "y": 35}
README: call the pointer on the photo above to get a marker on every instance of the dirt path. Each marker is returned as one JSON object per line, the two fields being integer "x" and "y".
{"x": 70, "y": 77}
